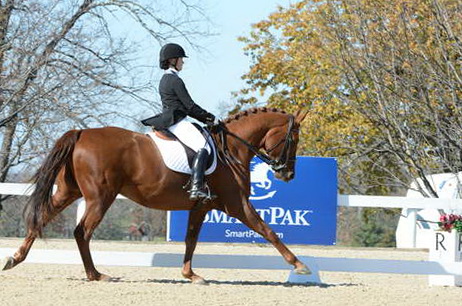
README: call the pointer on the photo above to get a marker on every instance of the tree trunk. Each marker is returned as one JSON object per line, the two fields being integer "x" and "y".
{"x": 5, "y": 153}
{"x": 5, "y": 14}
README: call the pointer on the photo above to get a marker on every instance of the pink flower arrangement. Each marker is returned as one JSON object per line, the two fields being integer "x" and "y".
{"x": 448, "y": 222}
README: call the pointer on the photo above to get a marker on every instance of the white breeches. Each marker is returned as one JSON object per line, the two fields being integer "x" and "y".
{"x": 189, "y": 135}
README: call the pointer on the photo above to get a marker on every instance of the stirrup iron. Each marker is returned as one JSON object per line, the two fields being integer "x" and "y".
{"x": 202, "y": 195}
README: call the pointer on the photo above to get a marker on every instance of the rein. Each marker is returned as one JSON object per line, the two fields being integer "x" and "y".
{"x": 276, "y": 164}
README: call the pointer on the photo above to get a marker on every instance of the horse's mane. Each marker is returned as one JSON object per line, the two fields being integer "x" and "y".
{"x": 251, "y": 111}
{"x": 224, "y": 150}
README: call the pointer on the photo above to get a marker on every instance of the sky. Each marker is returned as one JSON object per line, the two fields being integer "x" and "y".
{"x": 211, "y": 77}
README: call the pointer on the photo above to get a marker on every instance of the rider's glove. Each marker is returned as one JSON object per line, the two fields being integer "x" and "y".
{"x": 214, "y": 125}
{"x": 215, "y": 122}
{"x": 211, "y": 120}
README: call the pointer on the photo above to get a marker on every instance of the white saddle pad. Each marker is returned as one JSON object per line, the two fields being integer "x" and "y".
{"x": 174, "y": 155}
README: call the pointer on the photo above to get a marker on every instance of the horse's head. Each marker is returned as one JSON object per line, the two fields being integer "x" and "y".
{"x": 281, "y": 143}
{"x": 263, "y": 129}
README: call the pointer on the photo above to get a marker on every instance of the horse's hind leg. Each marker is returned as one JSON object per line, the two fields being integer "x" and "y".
{"x": 196, "y": 218}
{"x": 94, "y": 213}
{"x": 252, "y": 219}
{"x": 62, "y": 199}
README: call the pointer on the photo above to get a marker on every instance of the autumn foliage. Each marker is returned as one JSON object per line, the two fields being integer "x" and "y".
{"x": 382, "y": 81}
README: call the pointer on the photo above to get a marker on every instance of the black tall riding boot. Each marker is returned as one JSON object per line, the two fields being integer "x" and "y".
{"x": 197, "y": 191}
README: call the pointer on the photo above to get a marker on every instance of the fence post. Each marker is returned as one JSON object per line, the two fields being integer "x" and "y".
{"x": 412, "y": 217}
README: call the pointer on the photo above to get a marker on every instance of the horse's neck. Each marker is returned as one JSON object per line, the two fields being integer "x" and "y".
{"x": 252, "y": 132}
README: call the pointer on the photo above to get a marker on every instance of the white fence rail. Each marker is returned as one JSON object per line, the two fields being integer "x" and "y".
{"x": 412, "y": 204}
{"x": 22, "y": 189}
{"x": 398, "y": 202}
{"x": 343, "y": 200}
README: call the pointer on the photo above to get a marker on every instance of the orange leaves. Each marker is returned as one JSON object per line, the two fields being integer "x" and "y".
{"x": 370, "y": 72}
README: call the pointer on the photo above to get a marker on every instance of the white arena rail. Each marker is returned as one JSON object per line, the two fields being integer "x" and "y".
{"x": 449, "y": 269}
{"x": 343, "y": 200}
{"x": 255, "y": 262}
{"x": 22, "y": 189}
{"x": 413, "y": 204}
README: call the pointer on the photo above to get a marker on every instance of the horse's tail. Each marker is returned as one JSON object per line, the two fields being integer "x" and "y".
{"x": 40, "y": 206}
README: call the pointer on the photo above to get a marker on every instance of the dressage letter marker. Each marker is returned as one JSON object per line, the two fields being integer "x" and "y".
{"x": 446, "y": 248}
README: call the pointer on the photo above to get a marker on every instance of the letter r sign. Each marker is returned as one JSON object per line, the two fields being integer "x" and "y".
{"x": 439, "y": 242}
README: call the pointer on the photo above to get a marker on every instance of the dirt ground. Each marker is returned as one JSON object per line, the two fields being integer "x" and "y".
{"x": 46, "y": 284}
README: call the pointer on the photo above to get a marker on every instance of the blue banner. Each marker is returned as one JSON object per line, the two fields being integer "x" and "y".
{"x": 302, "y": 211}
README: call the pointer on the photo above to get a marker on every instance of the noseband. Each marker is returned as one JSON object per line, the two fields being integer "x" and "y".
{"x": 277, "y": 164}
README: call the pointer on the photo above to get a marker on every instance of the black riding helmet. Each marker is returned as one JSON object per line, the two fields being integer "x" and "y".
{"x": 170, "y": 51}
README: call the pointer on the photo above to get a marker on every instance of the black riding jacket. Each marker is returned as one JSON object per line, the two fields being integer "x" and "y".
{"x": 176, "y": 104}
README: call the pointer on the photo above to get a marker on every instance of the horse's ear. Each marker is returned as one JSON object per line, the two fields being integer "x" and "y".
{"x": 300, "y": 115}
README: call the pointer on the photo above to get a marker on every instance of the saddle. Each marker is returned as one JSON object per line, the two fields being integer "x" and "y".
{"x": 165, "y": 135}
{"x": 179, "y": 157}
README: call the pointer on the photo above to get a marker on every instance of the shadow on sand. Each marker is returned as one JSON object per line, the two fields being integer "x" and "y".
{"x": 250, "y": 283}
{"x": 232, "y": 283}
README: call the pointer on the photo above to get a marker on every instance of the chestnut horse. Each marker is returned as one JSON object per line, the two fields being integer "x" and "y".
{"x": 100, "y": 163}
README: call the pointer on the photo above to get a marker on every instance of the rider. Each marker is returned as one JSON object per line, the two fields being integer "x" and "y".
{"x": 176, "y": 105}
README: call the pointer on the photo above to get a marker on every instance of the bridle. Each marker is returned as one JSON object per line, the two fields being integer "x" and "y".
{"x": 278, "y": 164}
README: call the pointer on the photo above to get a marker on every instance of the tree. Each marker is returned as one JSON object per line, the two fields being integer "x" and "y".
{"x": 64, "y": 65}
{"x": 381, "y": 80}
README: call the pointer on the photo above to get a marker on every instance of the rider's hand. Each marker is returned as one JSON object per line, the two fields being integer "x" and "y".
{"x": 211, "y": 120}
{"x": 215, "y": 122}
{"x": 215, "y": 125}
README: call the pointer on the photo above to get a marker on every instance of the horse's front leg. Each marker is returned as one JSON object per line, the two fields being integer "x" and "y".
{"x": 252, "y": 219}
{"x": 196, "y": 218}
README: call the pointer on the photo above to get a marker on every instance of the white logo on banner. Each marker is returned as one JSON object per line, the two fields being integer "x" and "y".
{"x": 260, "y": 183}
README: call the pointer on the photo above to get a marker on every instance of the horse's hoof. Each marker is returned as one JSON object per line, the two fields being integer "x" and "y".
{"x": 199, "y": 281}
{"x": 102, "y": 278}
{"x": 303, "y": 270}
{"x": 7, "y": 263}
{"x": 107, "y": 278}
